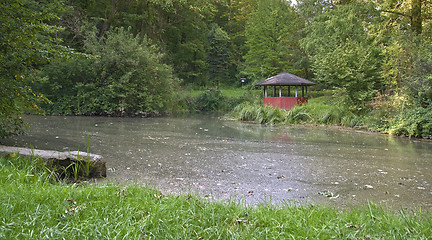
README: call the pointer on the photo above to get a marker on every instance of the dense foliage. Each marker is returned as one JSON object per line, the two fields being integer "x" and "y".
{"x": 25, "y": 43}
{"x": 133, "y": 57}
{"x": 272, "y": 33}
{"x": 317, "y": 112}
{"x": 122, "y": 75}
{"x": 344, "y": 53}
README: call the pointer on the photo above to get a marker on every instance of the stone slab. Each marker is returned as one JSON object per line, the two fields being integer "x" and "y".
{"x": 63, "y": 159}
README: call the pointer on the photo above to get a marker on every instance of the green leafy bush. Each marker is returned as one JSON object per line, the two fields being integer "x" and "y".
{"x": 416, "y": 122}
{"x": 125, "y": 76}
{"x": 210, "y": 100}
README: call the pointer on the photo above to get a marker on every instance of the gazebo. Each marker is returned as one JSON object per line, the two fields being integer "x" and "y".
{"x": 282, "y": 98}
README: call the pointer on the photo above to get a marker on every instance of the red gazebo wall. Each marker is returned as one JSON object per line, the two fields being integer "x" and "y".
{"x": 284, "y": 102}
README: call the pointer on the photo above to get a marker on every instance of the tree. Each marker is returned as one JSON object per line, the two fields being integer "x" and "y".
{"x": 419, "y": 83}
{"x": 179, "y": 27}
{"x": 26, "y": 42}
{"x": 344, "y": 52}
{"x": 310, "y": 9}
{"x": 409, "y": 15}
{"x": 406, "y": 33}
{"x": 272, "y": 33}
{"x": 122, "y": 75}
{"x": 185, "y": 39}
{"x": 232, "y": 17}
{"x": 218, "y": 54}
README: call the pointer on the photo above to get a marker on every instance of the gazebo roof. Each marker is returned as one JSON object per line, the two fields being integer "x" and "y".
{"x": 285, "y": 79}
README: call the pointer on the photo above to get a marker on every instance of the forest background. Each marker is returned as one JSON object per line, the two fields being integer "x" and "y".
{"x": 372, "y": 59}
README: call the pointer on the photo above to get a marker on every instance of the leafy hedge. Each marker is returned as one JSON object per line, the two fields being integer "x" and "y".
{"x": 415, "y": 122}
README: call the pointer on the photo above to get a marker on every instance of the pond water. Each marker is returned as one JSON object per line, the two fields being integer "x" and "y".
{"x": 223, "y": 159}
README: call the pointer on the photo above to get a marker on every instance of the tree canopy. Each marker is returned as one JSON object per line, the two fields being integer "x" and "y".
{"x": 26, "y": 42}
{"x": 344, "y": 53}
{"x": 272, "y": 33}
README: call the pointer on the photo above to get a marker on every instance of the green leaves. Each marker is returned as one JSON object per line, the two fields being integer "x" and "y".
{"x": 26, "y": 42}
{"x": 416, "y": 122}
{"x": 344, "y": 54}
{"x": 127, "y": 77}
{"x": 210, "y": 100}
{"x": 272, "y": 33}
{"x": 218, "y": 55}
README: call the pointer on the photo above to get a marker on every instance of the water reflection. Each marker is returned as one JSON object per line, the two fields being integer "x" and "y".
{"x": 223, "y": 159}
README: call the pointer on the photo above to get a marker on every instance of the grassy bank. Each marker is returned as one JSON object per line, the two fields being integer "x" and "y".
{"x": 214, "y": 99}
{"x": 317, "y": 111}
{"x": 325, "y": 110}
{"x": 35, "y": 207}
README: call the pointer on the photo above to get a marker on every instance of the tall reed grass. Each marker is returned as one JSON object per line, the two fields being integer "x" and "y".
{"x": 316, "y": 113}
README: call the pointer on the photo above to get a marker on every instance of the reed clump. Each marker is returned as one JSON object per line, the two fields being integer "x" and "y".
{"x": 386, "y": 116}
{"x": 317, "y": 113}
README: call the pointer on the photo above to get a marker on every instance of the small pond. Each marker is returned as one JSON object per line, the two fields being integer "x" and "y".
{"x": 223, "y": 159}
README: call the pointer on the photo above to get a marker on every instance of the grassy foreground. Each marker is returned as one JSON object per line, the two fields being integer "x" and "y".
{"x": 33, "y": 206}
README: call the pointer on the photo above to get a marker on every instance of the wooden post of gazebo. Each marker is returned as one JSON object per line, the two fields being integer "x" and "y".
{"x": 285, "y": 79}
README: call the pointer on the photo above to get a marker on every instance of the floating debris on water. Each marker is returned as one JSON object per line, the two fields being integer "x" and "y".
{"x": 328, "y": 194}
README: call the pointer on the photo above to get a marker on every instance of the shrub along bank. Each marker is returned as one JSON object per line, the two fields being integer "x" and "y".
{"x": 35, "y": 207}
{"x": 382, "y": 116}
{"x": 183, "y": 100}
{"x": 214, "y": 99}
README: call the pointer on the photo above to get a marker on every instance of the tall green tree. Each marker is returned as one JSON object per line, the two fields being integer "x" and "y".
{"x": 310, "y": 9}
{"x": 419, "y": 83}
{"x": 218, "y": 55}
{"x": 272, "y": 33}
{"x": 185, "y": 40}
{"x": 345, "y": 55}
{"x": 232, "y": 17}
{"x": 26, "y": 42}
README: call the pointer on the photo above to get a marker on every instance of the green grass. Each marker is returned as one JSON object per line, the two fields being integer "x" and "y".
{"x": 227, "y": 92}
{"x": 222, "y": 100}
{"x": 34, "y": 207}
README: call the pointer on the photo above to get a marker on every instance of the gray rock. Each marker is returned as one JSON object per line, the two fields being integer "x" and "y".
{"x": 62, "y": 160}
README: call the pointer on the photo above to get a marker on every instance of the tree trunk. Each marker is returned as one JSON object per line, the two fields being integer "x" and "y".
{"x": 416, "y": 16}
